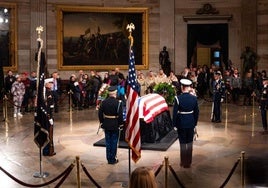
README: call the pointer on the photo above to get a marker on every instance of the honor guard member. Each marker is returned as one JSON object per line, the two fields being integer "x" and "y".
{"x": 185, "y": 117}
{"x": 218, "y": 97}
{"x": 264, "y": 104}
{"x": 111, "y": 118}
{"x": 49, "y": 101}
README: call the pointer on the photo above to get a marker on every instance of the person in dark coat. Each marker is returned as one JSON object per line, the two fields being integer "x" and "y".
{"x": 185, "y": 117}
{"x": 111, "y": 119}
{"x": 218, "y": 87}
{"x": 264, "y": 105}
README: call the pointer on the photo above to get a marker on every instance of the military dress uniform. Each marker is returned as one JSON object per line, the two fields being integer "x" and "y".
{"x": 218, "y": 95}
{"x": 185, "y": 117}
{"x": 49, "y": 100}
{"x": 111, "y": 118}
{"x": 264, "y": 105}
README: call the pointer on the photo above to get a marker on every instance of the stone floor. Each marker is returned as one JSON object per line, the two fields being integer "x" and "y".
{"x": 216, "y": 150}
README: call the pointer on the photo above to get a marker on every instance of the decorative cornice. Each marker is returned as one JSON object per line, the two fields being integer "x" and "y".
{"x": 207, "y": 13}
{"x": 207, "y": 17}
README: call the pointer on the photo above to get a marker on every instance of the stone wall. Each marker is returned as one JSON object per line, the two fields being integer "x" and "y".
{"x": 166, "y": 28}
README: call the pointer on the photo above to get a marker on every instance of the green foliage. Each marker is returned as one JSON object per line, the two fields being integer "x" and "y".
{"x": 166, "y": 90}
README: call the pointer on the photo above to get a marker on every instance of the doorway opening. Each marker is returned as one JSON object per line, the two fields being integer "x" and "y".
{"x": 207, "y": 44}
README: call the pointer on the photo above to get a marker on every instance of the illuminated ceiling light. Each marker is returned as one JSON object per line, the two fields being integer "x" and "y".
{"x": 1, "y": 20}
{"x": 6, "y": 20}
{"x": 5, "y": 10}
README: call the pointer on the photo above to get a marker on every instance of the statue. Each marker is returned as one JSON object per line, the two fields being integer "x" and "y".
{"x": 164, "y": 61}
{"x": 250, "y": 60}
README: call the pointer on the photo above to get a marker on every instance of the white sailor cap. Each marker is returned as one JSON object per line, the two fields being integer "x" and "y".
{"x": 185, "y": 82}
{"x": 48, "y": 80}
{"x": 218, "y": 73}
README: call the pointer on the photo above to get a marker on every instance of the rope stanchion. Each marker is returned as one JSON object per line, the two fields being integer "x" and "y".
{"x": 243, "y": 168}
{"x": 5, "y": 113}
{"x": 78, "y": 172}
{"x": 230, "y": 174}
{"x": 175, "y": 176}
{"x": 166, "y": 172}
{"x": 38, "y": 185}
{"x": 89, "y": 176}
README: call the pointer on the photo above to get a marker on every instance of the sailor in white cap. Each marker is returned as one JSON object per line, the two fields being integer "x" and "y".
{"x": 48, "y": 150}
{"x": 185, "y": 117}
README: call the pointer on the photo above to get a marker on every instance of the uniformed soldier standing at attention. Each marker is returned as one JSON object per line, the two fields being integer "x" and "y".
{"x": 185, "y": 117}
{"x": 49, "y": 148}
{"x": 218, "y": 97}
{"x": 264, "y": 105}
{"x": 111, "y": 118}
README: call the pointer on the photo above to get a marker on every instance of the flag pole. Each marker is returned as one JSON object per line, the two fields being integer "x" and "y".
{"x": 130, "y": 27}
{"x": 39, "y": 29}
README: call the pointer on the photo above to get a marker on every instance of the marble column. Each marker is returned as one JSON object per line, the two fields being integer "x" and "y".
{"x": 167, "y": 28}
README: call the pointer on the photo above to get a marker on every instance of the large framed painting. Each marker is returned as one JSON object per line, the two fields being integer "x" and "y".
{"x": 96, "y": 38}
{"x": 8, "y": 36}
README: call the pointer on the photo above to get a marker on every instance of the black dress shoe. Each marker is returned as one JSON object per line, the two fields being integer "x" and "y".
{"x": 116, "y": 161}
{"x": 217, "y": 121}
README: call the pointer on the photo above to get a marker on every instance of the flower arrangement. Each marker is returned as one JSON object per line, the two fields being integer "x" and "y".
{"x": 168, "y": 91}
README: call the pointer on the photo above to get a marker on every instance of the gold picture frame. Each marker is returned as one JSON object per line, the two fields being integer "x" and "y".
{"x": 8, "y": 36}
{"x": 96, "y": 38}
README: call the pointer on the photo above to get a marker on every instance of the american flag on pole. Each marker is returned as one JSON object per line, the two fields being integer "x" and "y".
{"x": 132, "y": 120}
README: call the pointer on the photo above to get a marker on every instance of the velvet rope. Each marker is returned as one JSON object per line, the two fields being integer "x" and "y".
{"x": 65, "y": 176}
{"x": 89, "y": 176}
{"x": 175, "y": 176}
{"x": 38, "y": 185}
{"x": 230, "y": 174}
{"x": 158, "y": 170}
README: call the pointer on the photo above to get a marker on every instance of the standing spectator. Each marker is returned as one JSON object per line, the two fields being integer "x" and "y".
{"x": 75, "y": 91}
{"x": 248, "y": 88}
{"x": 9, "y": 80}
{"x": 111, "y": 118}
{"x": 56, "y": 90}
{"x": 185, "y": 117}
{"x": 236, "y": 85}
{"x": 218, "y": 97}
{"x": 264, "y": 105}
{"x": 150, "y": 82}
{"x": 142, "y": 177}
{"x": 141, "y": 81}
{"x": 18, "y": 91}
{"x": 33, "y": 80}
{"x": 27, "y": 83}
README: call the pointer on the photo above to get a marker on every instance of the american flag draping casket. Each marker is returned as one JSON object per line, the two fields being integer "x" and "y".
{"x": 155, "y": 120}
{"x": 150, "y": 106}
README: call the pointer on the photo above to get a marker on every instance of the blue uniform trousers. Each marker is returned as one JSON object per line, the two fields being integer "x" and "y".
{"x": 186, "y": 136}
{"x": 111, "y": 139}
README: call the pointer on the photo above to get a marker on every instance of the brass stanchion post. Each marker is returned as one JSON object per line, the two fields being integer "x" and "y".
{"x": 78, "y": 172}
{"x": 243, "y": 168}
{"x": 166, "y": 172}
{"x": 5, "y": 108}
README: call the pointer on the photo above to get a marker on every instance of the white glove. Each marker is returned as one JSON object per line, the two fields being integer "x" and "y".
{"x": 51, "y": 121}
{"x": 222, "y": 100}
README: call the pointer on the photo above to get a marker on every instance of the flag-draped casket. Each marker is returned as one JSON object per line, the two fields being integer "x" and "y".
{"x": 154, "y": 115}
{"x": 155, "y": 120}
